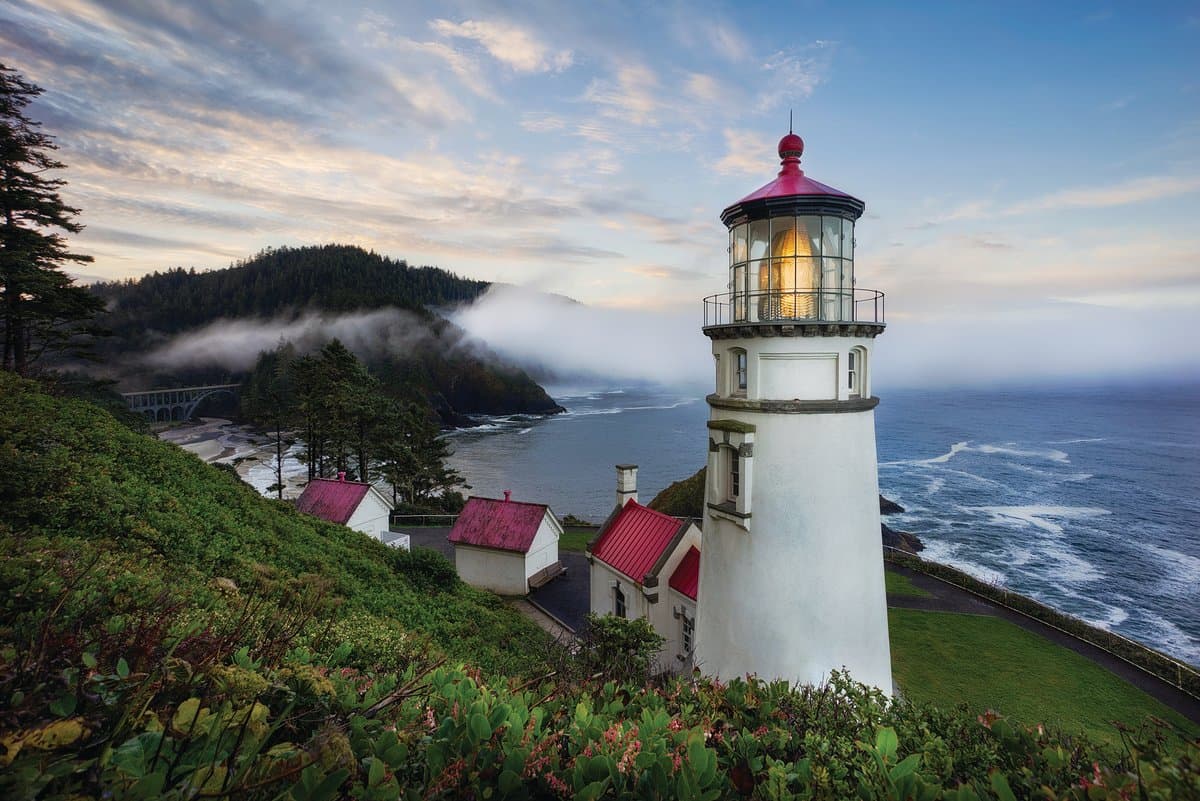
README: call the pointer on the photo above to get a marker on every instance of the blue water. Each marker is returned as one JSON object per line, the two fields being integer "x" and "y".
{"x": 1087, "y": 499}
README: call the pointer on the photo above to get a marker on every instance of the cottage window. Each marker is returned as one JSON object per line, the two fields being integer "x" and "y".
{"x": 688, "y": 630}
{"x": 618, "y": 602}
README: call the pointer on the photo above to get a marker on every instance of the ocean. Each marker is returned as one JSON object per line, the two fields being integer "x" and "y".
{"x": 1087, "y": 499}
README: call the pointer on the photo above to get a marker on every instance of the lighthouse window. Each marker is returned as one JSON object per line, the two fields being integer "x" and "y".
{"x": 618, "y": 602}
{"x": 735, "y": 476}
{"x": 792, "y": 268}
{"x": 855, "y": 364}
{"x": 740, "y": 370}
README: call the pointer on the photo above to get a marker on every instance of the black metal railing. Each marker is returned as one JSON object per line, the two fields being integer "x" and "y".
{"x": 795, "y": 306}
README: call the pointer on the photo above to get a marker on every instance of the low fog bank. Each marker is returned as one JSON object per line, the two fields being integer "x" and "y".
{"x": 1045, "y": 346}
{"x": 236, "y": 344}
{"x": 562, "y": 341}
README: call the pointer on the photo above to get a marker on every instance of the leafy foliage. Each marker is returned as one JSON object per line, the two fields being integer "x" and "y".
{"x": 682, "y": 498}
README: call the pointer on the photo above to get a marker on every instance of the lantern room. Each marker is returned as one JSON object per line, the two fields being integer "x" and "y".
{"x": 791, "y": 253}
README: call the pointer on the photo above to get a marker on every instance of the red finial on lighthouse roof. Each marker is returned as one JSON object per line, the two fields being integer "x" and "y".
{"x": 790, "y": 183}
{"x": 791, "y": 145}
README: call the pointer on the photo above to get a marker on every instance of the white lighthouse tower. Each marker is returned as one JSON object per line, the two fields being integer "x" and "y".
{"x": 791, "y": 581}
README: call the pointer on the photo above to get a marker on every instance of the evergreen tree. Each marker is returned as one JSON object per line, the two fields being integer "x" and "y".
{"x": 268, "y": 397}
{"x": 42, "y": 309}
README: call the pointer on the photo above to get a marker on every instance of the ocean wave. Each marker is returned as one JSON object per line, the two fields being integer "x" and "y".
{"x": 935, "y": 484}
{"x": 524, "y": 430}
{"x": 1171, "y": 638}
{"x": 1038, "y": 516}
{"x": 947, "y": 554}
{"x": 1183, "y": 577}
{"x": 1008, "y": 450}
{"x": 1079, "y": 441}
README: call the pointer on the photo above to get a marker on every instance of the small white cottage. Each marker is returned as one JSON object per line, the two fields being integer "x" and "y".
{"x": 647, "y": 564}
{"x": 354, "y": 504}
{"x": 506, "y": 546}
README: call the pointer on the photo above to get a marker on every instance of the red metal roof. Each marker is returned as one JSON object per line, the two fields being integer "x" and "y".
{"x": 635, "y": 538}
{"x": 686, "y": 577}
{"x": 502, "y": 525}
{"x": 791, "y": 180}
{"x": 331, "y": 499}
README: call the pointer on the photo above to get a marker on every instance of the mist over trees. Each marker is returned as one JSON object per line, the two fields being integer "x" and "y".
{"x": 41, "y": 309}
{"x": 349, "y": 423}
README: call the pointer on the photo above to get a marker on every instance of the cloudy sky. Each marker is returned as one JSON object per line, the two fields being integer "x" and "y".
{"x": 1031, "y": 171}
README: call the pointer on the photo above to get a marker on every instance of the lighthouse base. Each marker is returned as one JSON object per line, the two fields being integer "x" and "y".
{"x": 791, "y": 583}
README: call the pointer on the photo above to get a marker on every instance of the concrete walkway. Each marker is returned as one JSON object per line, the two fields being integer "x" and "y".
{"x": 566, "y": 599}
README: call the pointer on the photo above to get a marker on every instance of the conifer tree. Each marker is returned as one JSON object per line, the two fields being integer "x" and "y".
{"x": 41, "y": 308}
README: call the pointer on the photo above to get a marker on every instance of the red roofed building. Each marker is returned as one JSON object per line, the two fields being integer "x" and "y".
{"x": 506, "y": 546}
{"x": 647, "y": 564}
{"x": 351, "y": 503}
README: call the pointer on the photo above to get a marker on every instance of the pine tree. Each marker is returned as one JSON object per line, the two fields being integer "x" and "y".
{"x": 42, "y": 308}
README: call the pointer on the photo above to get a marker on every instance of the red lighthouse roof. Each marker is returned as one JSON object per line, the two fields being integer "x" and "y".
{"x": 791, "y": 183}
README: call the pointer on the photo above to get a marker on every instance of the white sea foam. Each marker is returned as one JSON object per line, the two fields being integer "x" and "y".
{"x": 947, "y": 553}
{"x": 934, "y": 485}
{"x": 1079, "y": 441}
{"x": 1171, "y": 638}
{"x": 1008, "y": 450}
{"x": 1038, "y": 516}
{"x": 524, "y": 430}
{"x": 1183, "y": 576}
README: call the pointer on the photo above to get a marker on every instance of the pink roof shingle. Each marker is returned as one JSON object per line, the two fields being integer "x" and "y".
{"x": 635, "y": 538}
{"x": 686, "y": 577}
{"x": 498, "y": 524}
{"x": 331, "y": 499}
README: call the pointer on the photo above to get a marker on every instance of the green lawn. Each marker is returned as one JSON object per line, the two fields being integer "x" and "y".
{"x": 897, "y": 584}
{"x": 575, "y": 539}
{"x": 988, "y": 663}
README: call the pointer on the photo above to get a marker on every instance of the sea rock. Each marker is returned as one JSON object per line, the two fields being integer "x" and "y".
{"x": 901, "y": 540}
{"x": 889, "y": 507}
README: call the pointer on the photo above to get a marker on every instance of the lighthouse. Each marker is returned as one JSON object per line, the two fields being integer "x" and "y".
{"x": 791, "y": 581}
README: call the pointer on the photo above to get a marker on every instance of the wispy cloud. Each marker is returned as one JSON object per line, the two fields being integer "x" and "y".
{"x": 1136, "y": 190}
{"x": 517, "y": 47}
{"x": 629, "y": 95}
{"x": 746, "y": 152}
{"x": 793, "y": 75}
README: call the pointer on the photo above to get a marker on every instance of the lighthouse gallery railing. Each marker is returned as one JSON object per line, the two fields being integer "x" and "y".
{"x": 788, "y": 306}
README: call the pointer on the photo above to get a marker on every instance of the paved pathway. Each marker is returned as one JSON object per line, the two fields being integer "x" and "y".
{"x": 565, "y": 601}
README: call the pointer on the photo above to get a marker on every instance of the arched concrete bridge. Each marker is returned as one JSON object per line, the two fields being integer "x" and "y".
{"x": 168, "y": 405}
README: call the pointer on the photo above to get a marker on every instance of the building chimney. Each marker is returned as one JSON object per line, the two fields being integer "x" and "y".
{"x": 507, "y": 495}
{"x": 626, "y": 483}
{"x": 342, "y": 476}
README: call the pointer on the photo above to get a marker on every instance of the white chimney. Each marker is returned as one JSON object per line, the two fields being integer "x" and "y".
{"x": 626, "y": 483}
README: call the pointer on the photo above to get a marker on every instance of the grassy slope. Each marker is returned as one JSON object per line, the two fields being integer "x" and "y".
{"x": 71, "y": 473}
{"x": 988, "y": 663}
{"x": 897, "y": 584}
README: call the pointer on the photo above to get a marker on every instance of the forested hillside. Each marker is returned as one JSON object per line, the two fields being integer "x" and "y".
{"x": 326, "y": 277}
{"x": 167, "y": 633}
{"x": 422, "y": 357}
